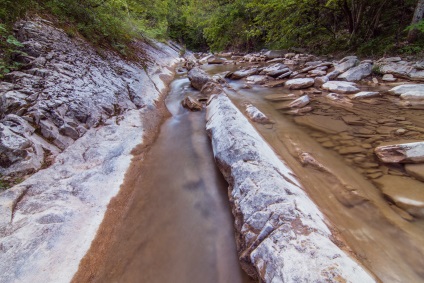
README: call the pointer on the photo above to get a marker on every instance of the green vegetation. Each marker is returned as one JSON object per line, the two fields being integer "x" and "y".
{"x": 320, "y": 26}
{"x": 368, "y": 27}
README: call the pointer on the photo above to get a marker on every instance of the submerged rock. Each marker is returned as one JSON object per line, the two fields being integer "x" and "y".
{"x": 191, "y": 103}
{"x": 404, "y": 192}
{"x": 198, "y": 78}
{"x": 365, "y": 95}
{"x": 282, "y": 236}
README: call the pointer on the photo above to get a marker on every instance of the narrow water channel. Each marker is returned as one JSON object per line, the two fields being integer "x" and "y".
{"x": 179, "y": 226}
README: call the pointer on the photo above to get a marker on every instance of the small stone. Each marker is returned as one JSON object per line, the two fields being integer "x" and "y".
{"x": 389, "y": 78}
{"x": 400, "y": 132}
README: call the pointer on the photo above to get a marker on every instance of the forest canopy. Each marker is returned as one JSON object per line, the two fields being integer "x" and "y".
{"x": 320, "y": 26}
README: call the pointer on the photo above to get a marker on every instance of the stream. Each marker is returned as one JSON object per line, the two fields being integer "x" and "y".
{"x": 178, "y": 226}
{"x": 348, "y": 186}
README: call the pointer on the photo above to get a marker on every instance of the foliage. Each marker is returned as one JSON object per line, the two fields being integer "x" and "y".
{"x": 318, "y": 25}
{"x": 9, "y": 48}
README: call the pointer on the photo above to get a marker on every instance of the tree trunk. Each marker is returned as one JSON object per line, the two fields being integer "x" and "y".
{"x": 418, "y": 16}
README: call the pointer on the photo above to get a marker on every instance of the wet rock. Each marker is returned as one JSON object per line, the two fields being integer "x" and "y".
{"x": 352, "y": 150}
{"x": 280, "y": 97}
{"x": 243, "y": 73}
{"x": 353, "y": 120}
{"x": 346, "y": 63}
{"x": 257, "y": 79}
{"x": 389, "y": 78}
{"x": 191, "y": 103}
{"x": 198, "y": 78}
{"x": 341, "y": 87}
{"x": 401, "y": 153}
{"x": 256, "y": 115}
{"x": 416, "y": 171}
{"x": 339, "y": 99}
{"x": 300, "y": 102}
{"x": 365, "y": 95}
{"x": 280, "y": 231}
{"x": 404, "y": 192}
{"x": 299, "y": 83}
{"x": 299, "y": 111}
{"x": 276, "y": 70}
{"x": 324, "y": 124}
{"x": 357, "y": 73}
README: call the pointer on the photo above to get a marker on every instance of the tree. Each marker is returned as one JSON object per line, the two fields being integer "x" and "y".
{"x": 416, "y": 19}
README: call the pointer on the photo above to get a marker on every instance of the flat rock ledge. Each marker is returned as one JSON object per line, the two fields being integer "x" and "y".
{"x": 281, "y": 234}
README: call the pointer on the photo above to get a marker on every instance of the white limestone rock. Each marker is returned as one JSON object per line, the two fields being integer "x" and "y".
{"x": 341, "y": 87}
{"x": 399, "y": 90}
{"x": 357, "y": 73}
{"x": 256, "y": 115}
{"x": 282, "y": 235}
{"x": 346, "y": 63}
{"x": 300, "y": 83}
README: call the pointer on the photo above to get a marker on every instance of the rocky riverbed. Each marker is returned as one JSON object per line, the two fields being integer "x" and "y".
{"x": 352, "y": 132}
{"x": 327, "y": 172}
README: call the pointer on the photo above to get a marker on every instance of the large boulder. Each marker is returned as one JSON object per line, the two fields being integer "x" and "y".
{"x": 357, "y": 73}
{"x": 341, "y": 87}
{"x": 300, "y": 83}
{"x": 198, "y": 78}
{"x": 282, "y": 236}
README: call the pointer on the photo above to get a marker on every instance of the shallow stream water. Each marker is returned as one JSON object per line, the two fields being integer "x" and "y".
{"x": 178, "y": 227}
{"x": 348, "y": 185}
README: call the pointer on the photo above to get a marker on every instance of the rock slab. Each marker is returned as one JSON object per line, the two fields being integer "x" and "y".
{"x": 282, "y": 236}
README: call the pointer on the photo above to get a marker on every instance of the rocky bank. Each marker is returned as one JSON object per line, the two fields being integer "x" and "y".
{"x": 83, "y": 112}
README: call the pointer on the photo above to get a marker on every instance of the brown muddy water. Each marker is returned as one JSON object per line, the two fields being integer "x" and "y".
{"x": 178, "y": 225}
{"x": 347, "y": 181}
